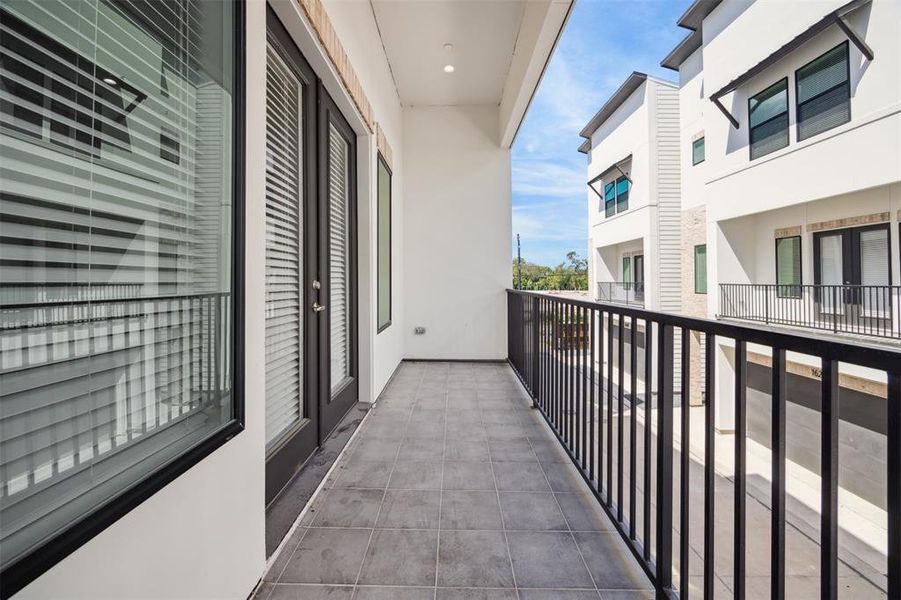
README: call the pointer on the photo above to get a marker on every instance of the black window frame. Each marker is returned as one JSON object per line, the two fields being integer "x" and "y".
{"x": 64, "y": 542}
{"x": 694, "y": 145}
{"x": 783, "y": 81}
{"x": 789, "y": 290}
{"x": 846, "y": 84}
{"x": 614, "y": 202}
{"x": 380, "y": 327}
{"x": 610, "y": 203}
{"x": 695, "y": 268}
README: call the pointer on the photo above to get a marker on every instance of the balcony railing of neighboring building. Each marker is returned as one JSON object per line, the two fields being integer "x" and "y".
{"x": 871, "y": 310}
{"x": 621, "y": 292}
{"x": 91, "y": 387}
{"x": 581, "y": 402}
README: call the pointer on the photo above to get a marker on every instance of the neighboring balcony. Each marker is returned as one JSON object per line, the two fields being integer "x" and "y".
{"x": 621, "y": 292}
{"x": 868, "y": 310}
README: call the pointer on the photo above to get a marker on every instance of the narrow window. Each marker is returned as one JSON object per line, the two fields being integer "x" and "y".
{"x": 627, "y": 270}
{"x": 609, "y": 199}
{"x": 768, "y": 119}
{"x": 384, "y": 245}
{"x": 823, "y": 93}
{"x": 622, "y": 194}
{"x": 788, "y": 267}
{"x": 701, "y": 269}
{"x": 697, "y": 151}
{"x": 125, "y": 287}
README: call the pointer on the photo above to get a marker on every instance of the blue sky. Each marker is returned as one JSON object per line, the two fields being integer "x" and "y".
{"x": 604, "y": 41}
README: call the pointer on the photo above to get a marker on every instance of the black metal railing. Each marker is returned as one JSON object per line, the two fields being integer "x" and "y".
{"x": 873, "y": 310}
{"x": 583, "y": 406}
{"x": 621, "y": 292}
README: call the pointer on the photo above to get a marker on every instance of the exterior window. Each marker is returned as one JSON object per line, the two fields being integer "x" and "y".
{"x": 609, "y": 199}
{"x": 697, "y": 151}
{"x": 384, "y": 245}
{"x": 622, "y": 194}
{"x": 788, "y": 267}
{"x": 118, "y": 283}
{"x": 627, "y": 269}
{"x": 701, "y": 269}
{"x": 768, "y": 119}
{"x": 823, "y": 93}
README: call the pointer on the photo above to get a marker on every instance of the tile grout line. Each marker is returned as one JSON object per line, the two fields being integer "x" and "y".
{"x": 384, "y": 494}
{"x": 441, "y": 486}
{"x": 566, "y": 520}
{"x": 499, "y": 506}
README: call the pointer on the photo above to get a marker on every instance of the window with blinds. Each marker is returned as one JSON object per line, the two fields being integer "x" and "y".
{"x": 609, "y": 199}
{"x": 284, "y": 249}
{"x": 697, "y": 151}
{"x": 788, "y": 267}
{"x": 384, "y": 245}
{"x": 823, "y": 89}
{"x": 768, "y": 120}
{"x": 116, "y": 211}
{"x": 700, "y": 267}
{"x": 339, "y": 252}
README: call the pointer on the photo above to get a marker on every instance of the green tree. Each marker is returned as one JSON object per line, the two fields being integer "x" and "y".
{"x": 569, "y": 275}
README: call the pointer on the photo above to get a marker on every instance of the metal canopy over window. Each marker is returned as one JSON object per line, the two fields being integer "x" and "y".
{"x": 603, "y": 176}
{"x": 836, "y": 17}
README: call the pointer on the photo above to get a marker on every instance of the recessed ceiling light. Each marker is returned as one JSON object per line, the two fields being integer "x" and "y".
{"x": 448, "y": 47}
{"x": 110, "y": 81}
{"x": 448, "y": 68}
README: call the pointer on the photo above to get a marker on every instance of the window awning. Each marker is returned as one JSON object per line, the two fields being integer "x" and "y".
{"x": 836, "y": 17}
{"x": 615, "y": 166}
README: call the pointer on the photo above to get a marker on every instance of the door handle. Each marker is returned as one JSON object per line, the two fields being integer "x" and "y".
{"x": 318, "y": 307}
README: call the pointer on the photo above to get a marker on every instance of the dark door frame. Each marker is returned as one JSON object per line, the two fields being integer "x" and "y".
{"x": 297, "y": 444}
{"x": 334, "y": 408}
{"x": 850, "y": 252}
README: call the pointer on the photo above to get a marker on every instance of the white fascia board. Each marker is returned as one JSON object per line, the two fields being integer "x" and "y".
{"x": 542, "y": 26}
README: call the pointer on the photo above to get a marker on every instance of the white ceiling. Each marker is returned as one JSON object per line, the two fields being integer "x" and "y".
{"x": 483, "y": 33}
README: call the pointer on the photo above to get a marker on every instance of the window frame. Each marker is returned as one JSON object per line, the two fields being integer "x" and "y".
{"x": 751, "y": 128}
{"x": 50, "y": 551}
{"x": 697, "y": 289}
{"x": 380, "y": 327}
{"x": 694, "y": 144}
{"x": 846, "y": 84}
{"x": 622, "y": 178}
{"x": 794, "y": 289}
{"x": 610, "y": 203}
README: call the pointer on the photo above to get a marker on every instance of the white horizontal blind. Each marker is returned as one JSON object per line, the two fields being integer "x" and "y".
{"x": 339, "y": 248}
{"x": 115, "y": 250}
{"x": 284, "y": 248}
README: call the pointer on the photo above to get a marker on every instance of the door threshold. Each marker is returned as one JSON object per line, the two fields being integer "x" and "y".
{"x": 285, "y": 509}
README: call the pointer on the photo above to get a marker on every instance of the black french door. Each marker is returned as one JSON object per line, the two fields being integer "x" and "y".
{"x": 853, "y": 268}
{"x": 338, "y": 264}
{"x": 310, "y": 261}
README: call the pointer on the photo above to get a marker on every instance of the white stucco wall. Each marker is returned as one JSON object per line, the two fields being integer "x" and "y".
{"x": 201, "y": 536}
{"x": 380, "y": 353}
{"x": 457, "y": 232}
{"x": 795, "y": 174}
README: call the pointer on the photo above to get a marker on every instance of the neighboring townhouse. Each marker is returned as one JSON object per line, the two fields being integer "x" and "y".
{"x": 633, "y": 210}
{"x": 791, "y": 203}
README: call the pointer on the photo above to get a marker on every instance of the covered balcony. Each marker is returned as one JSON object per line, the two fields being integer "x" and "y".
{"x": 229, "y": 367}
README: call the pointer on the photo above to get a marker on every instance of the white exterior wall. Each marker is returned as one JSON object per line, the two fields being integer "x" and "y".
{"x": 380, "y": 353}
{"x": 795, "y": 174}
{"x": 849, "y": 171}
{"x": 457, "y": 233}
{"x": 645, "y": 126}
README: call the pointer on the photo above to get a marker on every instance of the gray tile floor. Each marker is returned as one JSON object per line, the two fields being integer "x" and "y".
{"x": 454, "y": 489}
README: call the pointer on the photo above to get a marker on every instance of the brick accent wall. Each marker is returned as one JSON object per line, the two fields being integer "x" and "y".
{"x": 850, "y": 222}
{"x": 694, "y": 232}
{"x": 322, "y": 25}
